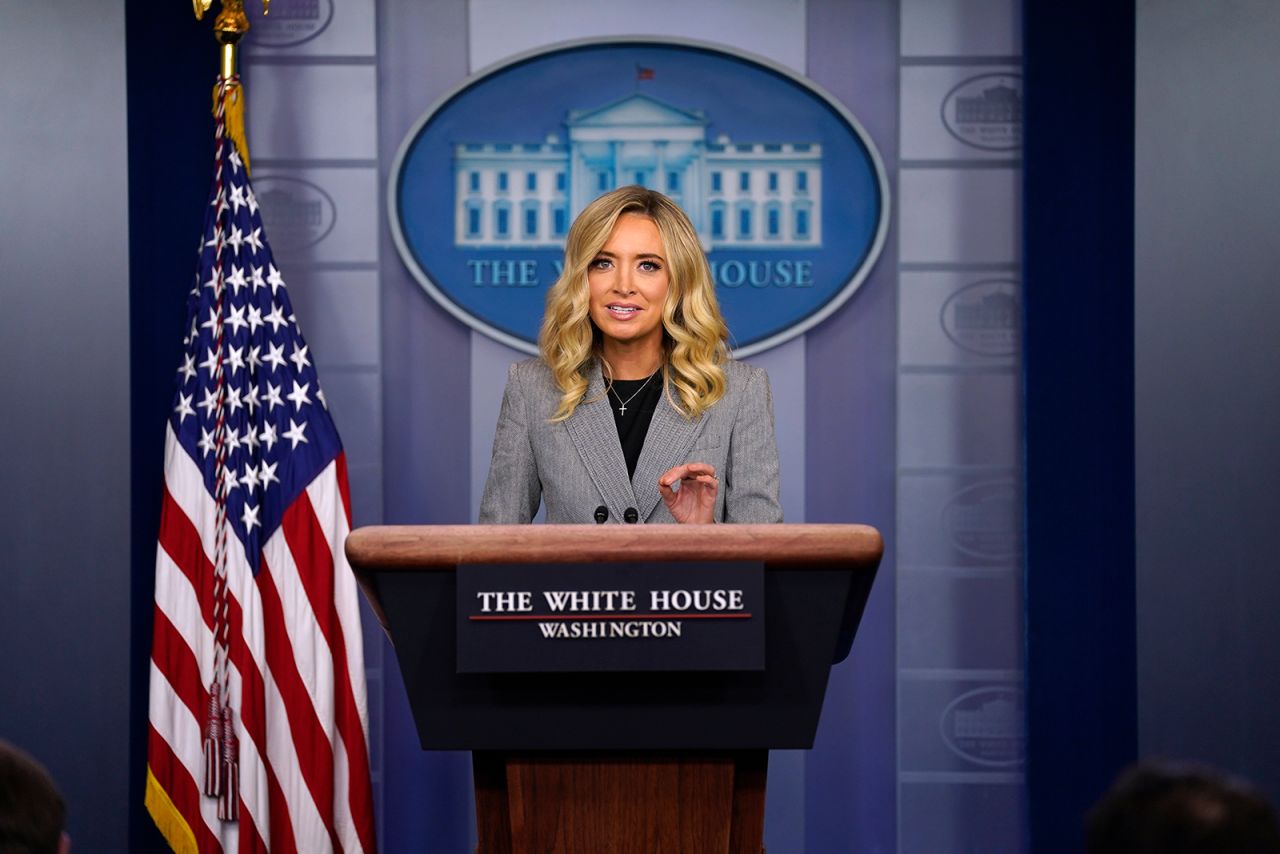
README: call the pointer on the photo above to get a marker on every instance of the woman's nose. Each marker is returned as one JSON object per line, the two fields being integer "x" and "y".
{"x": 622, "y": 283}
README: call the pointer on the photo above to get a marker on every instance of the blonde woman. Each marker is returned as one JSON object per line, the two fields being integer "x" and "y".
{"x": 634, "y": 411}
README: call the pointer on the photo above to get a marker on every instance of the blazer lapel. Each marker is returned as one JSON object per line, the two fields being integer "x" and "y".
{"x": 595, "y": 435}
{"x": 667, "y": 444}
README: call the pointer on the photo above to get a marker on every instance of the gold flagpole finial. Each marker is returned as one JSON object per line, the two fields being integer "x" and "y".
{"x": 228, "y": 29}
{"x": 202, "y": 6}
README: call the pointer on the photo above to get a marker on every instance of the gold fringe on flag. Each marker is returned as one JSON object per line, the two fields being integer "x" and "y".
{"x": 168, "y": 819}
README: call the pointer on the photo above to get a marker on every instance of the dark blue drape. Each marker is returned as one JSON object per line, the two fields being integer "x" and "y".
{"x": 1079, "y": 416}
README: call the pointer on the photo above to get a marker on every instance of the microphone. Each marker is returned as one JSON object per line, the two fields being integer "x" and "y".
{"x": 602, "y": 514}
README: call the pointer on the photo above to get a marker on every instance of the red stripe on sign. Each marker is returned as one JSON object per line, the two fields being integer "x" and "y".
{"x": 734, "y": 616}
{"x": 305, "y": 536}
{"x": 311, "y": 744}
{"x": 181, "y": 788}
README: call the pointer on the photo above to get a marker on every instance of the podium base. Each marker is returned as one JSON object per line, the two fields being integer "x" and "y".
{"x": 623, "y": 803}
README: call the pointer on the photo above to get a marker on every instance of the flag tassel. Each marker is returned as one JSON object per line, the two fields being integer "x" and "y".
{"x": 213, "y": 783}
{"x": 229, "y": 800}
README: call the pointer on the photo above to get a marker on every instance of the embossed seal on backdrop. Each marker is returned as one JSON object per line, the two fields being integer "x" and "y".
{"x": 983, "y": 317}
{"x": 290, "y": 22}
{"x": 297, "y": 212}
{"x": 981, "y": 521}
{"x": 986, "y": 111}
{"x": 785, "y": 188}
{"x": 984, "y": 726}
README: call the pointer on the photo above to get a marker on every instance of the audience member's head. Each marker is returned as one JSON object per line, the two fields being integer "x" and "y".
{"x": 32, "y": 814}
{"x": 1181, "y": 809}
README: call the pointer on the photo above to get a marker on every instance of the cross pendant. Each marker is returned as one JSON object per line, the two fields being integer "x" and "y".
{"x": 622, "y": 410}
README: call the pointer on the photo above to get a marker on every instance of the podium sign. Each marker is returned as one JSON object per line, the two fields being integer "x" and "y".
{"x": 518, "y": 618}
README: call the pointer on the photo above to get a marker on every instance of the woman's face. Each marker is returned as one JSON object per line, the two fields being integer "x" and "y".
{"x": 628, "y": 281}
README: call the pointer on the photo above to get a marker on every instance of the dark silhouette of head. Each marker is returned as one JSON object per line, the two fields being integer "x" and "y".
{"x": 32, "y": 814}
{"x": 1181, "y": 809}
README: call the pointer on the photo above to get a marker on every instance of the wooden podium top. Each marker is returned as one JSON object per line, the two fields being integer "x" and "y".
{"x": 441, "y": 547}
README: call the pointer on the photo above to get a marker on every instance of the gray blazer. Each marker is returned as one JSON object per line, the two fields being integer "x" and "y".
{"x": 576, "y": 465}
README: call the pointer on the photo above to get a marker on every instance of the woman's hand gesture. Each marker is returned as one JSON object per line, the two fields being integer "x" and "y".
{"x": 695, "y": 500}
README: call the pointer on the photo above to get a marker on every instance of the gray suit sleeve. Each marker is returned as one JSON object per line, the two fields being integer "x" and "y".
{"x": 512, "y": 491}
{"x": 751, "y": 471}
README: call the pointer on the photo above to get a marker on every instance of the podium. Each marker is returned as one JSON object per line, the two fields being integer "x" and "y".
{"x": 636, "y": 761}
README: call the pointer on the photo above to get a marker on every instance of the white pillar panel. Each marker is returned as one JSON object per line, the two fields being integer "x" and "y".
{"x": 312, "y": 112}
{"x": 960, "y": 216}
{"x": 958, "y": 419}
{"x": 770, "y": 28}
{"x": 961, "y": 28}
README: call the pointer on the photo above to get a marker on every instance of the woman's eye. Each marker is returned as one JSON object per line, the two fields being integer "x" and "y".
{"x": 650, "y": 266}
{"x": 599, "y": 264}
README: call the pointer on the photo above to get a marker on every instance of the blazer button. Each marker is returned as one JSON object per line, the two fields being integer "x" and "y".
{"x": 630, "y": 516}
{"x": 602, "y": 514}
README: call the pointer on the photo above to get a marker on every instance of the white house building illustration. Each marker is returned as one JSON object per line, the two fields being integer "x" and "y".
{"x": 994, "y": 719}
{"x": 737, "y": 194}
{"x": 1001, "y": 105}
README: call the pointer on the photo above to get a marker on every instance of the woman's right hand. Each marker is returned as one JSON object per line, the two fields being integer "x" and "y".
{"x": 695, "y": 500}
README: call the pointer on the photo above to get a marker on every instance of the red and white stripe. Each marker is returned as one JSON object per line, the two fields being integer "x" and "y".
{"x": 297, "y": 675}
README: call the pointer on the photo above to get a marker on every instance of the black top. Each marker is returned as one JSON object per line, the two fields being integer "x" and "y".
{"x": 633, "y": 403}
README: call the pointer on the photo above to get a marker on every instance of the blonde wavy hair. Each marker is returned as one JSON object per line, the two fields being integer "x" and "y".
{"x": 694, "y": 333}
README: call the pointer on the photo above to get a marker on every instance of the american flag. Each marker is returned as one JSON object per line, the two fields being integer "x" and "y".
{"x": 258, "y": 722}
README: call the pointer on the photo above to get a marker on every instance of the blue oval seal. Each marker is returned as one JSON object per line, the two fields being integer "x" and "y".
{"x": 786, "y": 189}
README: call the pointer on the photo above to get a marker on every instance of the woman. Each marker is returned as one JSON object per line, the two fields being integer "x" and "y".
{"x": 634, "y": 412}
